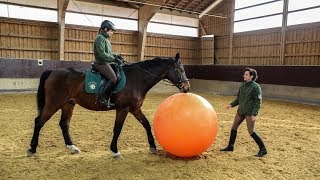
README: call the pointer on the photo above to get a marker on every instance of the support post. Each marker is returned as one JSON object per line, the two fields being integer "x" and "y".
{"x": 231, "y": 31}
{"x": 62, "y": 7}
{"x": 146, "y": 12}
{"x": 283, "y": 32}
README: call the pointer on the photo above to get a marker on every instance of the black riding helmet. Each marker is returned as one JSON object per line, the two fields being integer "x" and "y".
{"x": 107, "y": 24}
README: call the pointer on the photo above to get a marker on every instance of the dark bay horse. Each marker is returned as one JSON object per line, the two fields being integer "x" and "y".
{"x": 64, "y": 88}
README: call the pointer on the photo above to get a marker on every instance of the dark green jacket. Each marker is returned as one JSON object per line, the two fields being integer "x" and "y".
{"x": 249, "y": 99}
{"x": 102, "y": 49}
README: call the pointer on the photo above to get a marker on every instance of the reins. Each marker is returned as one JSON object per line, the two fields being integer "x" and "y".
{"x": 148, "y": 72}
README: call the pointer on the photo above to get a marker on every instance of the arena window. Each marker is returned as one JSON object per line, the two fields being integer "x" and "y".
{"x": 172, "y": 29}
{"x": 306, "y": 11}
{"x": 257, "y": 14}
{"x": 173, "y": 25}
{"x": 95, "y": 21}
{"x": 29, "y": 13}
{"x": 298, "y": 4}
{"x": 92, "y": 14}
{"x": 260, "y": 23}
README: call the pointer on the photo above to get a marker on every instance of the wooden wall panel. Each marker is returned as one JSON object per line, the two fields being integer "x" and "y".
{"x": 262, "y": 47}
{"x": 79, "y": 43}
{"x": 221, "y": 48}
{"x": 22, "y": 39}
{"x": 168, "y": 46}
{"x": 207, "y": 50}
{"x": 303, "y": 45}
{"x": 28, "y": 39}
{"x": 217, "y": 25}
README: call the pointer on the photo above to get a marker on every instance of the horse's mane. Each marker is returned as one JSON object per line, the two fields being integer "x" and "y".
{"x": 157, "y": 61}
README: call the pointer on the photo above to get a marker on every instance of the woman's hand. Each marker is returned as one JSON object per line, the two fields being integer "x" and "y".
{"x": 119, "y": 60}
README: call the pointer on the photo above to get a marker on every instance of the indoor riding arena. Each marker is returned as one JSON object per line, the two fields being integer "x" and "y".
{"x": 216, "y": 41}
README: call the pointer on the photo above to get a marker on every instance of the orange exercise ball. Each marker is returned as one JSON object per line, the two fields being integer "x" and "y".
{"x": 185, "y": 124}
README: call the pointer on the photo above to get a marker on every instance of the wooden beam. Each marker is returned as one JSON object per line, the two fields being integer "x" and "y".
{"x": 178, "y": 13}
{"x": 111, "y": 3}
{"x": 135, "y": 6}
{"x": 62, "y": 7}
{"x": 166, "y": 2}
{"x": 202, "y": 28}
{"x": 283, "y": 32}
{"x": 213, "y": 5}
{"x": 186, "y": 6}
{"x": 146, "y": 12}
{"x": 177, "y": 3}
{"x": 231, "y": 30}
{"x": 197, "y": 9}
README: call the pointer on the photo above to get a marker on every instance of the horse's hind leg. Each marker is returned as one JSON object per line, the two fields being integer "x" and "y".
{"x": 138, "y": 114}
{"x": 43, "y": 117}
{"x": 118, "y": 124}
{"x": 66, "y": 114}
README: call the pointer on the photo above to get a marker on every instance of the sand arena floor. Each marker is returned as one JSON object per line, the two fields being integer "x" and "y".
{"x": 291, "y": 132}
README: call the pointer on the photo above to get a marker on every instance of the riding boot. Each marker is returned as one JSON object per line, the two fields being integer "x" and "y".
{"x": 233, "y": 136}
{"x": 105, "y": 93}
{"x": 258, "y": 140}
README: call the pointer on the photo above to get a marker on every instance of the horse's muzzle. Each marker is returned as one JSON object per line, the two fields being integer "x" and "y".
{"x": 184, "y": 87}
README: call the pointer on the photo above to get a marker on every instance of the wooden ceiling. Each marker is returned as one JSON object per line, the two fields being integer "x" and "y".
{"x": 191, "y": 7}
{"x": 195, "y": 6}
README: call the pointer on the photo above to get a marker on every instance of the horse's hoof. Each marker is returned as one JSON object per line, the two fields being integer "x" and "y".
{"x": 29, "y": 153}
{"x": 153, "y": 150}
{"x": 74, "y": 149}
{"x": 117, "y": 155}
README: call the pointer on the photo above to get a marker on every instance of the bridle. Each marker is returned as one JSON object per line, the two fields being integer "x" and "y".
{"x": 178, "y": 84}
{"x": 181, "y": 81}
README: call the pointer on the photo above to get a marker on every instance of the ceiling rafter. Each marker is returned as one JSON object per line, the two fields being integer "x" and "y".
{"x": 177, "y": 3}
{"x": 187, "y": 5}
{"x": 182, "y": 6}
{"x": 210, "y": 7}
{"x": 166, "y": 2}
{"x": 197, "y": 8}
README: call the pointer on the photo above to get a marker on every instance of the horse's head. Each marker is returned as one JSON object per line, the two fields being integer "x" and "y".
{"x": 177, "y": 75}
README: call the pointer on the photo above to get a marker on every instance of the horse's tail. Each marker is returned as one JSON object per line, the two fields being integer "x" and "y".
{"x": 41, "y": 92}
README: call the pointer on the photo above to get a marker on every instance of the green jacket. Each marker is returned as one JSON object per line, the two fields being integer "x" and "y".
{"x": 102, "y": 49}
{"x": 249, "y": 99}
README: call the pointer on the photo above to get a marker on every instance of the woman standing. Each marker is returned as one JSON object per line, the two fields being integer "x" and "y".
{"x": 249, "y": 101}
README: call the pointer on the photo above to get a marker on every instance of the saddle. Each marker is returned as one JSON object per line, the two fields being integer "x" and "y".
{"x": 93, "y": 79}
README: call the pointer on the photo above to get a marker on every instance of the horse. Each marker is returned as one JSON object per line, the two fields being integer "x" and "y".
{"x": 64, "y": 88}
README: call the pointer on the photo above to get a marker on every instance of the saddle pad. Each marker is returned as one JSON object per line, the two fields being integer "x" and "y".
{"x": 123, "y": 80}
{"x": 92, "y": 82}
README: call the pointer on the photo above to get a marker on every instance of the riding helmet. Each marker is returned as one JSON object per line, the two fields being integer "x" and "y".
{"x": 108, "y": 24}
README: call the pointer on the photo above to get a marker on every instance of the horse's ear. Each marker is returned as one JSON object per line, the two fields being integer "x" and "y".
{"x": 177, "y": 57}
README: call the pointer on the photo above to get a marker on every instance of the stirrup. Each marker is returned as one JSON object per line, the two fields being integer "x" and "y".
{"x": 107, "y": 103}
{"x": 110, "y": 104}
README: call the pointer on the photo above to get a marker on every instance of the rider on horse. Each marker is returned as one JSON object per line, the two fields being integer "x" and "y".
{"x": 103, "y": 57}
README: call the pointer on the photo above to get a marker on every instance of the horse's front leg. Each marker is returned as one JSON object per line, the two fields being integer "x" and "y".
{"x": 138, "y": 114}
{"x": 118, "y": 124}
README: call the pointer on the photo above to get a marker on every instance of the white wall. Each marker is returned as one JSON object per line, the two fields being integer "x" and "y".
{"x": 294, "y": 93}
